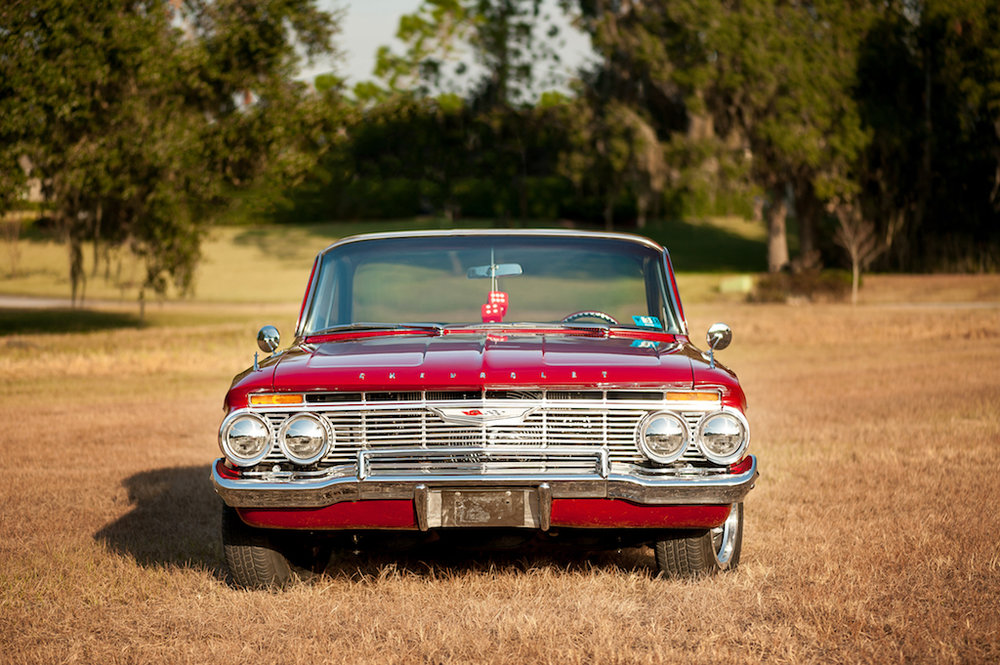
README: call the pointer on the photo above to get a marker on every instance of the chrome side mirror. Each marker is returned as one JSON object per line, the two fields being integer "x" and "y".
{"x": 268, "y": 339}
{"x": 719, "y": 336}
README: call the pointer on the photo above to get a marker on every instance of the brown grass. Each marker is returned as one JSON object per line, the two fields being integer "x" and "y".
{"x": 871, "y": 536}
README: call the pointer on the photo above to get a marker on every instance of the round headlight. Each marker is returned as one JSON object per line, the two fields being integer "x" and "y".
{"x": 663, "y": 437}
{"x": 723, "y": 436}
{"x": 304, "y": 438}
{"x": 244, "y": 438}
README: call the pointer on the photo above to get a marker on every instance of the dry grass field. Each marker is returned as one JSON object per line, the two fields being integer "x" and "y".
{"x": 872, "y": 535}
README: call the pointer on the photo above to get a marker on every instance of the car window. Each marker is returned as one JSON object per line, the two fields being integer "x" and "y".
{"x": 448, "y": 280}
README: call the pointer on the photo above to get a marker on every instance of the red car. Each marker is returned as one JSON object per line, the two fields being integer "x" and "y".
{"x": 486, "y": 386}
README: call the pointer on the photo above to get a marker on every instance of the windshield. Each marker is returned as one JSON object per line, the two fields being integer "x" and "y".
{"x": 491, "y": 279}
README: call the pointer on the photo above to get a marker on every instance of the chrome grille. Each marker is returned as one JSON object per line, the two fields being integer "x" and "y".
{"x": 603, "y": 421}
{"x": 476, "y": 461}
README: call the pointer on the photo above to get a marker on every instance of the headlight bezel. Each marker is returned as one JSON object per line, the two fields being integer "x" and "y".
{"x": 644, "y": 445}
{"x": 226, "y": 429}
{"x": 324, "y": 447}
{"x": 738, "y": 452}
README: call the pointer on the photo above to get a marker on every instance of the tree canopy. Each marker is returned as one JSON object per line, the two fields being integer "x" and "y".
{"x": 139, "y": 117}
{"x": 860, "y": 133}
{"x": 814, "y": 112}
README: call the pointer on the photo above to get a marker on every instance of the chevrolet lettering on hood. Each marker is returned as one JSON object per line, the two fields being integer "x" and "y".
{"x": 525, "y": 387}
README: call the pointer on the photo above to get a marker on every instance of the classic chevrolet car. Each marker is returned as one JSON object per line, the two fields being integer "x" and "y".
{"x": 469, "y": 385}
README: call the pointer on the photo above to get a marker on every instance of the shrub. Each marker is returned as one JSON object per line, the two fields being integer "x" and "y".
{"x": 811, "y": 285}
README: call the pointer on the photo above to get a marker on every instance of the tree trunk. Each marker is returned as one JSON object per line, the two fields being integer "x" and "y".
{"x": 641, "y": 204}
{"x": 777, "y": 235}
{"x": 69, "y": 222}
{"x": 855, "y": 278}
{"x": 98, "y": 215}
{"x": 807, "y": 210}
{"x": 77, "y": 275}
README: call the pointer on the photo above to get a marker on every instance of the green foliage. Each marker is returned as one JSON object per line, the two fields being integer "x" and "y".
{"x": 141, "y": 117}
{"x": 883, "y": 112}
{"x": 502, "y": 36}
{"x": 930, "y": 90}
{"x": 147, "y": 118}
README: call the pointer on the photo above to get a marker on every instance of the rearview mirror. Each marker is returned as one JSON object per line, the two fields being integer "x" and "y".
{"x": 495, "y": 270}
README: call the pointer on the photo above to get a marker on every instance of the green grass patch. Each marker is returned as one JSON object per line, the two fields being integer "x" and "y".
{"x": 270, "y": 264}
{"x": 716, "y": 244}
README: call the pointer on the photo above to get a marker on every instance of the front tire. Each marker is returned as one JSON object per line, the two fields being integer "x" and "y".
{"x": 262, "y": 559}
{"x": 705, "y": 552}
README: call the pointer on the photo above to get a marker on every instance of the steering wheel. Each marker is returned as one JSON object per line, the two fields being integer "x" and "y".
{"x": 590, "y": 313}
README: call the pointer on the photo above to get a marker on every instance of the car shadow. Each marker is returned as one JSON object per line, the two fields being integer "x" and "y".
{"x": 462, "y": 553}
{"x": 174, "y": 520}
{"x": 439, "y": 563}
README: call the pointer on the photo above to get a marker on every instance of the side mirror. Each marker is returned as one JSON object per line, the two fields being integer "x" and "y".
{"x": 268, "y": 339}
{"x": 719, "y": 336}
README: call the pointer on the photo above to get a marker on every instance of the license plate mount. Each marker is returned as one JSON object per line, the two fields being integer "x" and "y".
{"x": 517, "y": 507}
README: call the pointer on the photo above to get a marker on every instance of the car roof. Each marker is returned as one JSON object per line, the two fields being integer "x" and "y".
{"x": 507, "y": 233}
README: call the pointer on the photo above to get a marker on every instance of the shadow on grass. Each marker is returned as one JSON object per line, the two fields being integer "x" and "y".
{"x": 439, "y": 561}
{"x": 174, "y": 520}
{"x": 66, "y": 320}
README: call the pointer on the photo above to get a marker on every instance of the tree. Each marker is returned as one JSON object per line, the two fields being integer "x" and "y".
{"x": 930, "y": 90}
{"x": 141, "y": 116}
{"x": 766, "y": 81}
{"x": 500, "y": 35}
{"x": 858, "y": 238}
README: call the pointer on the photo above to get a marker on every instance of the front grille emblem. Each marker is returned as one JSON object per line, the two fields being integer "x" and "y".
{"x": 487, "y": 416}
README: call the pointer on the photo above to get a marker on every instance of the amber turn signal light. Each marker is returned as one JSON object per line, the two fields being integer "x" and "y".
{"x": 692, "y": 397}
{"x": 275, "y": 400}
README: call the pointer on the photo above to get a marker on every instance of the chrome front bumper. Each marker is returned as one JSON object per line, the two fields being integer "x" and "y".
{"x": 633, "y": 484}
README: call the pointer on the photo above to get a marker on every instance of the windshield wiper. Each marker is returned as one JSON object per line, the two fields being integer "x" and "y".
{"x": 592, "y": 328}
{"x": 498, "y": 324}
{"x": 434, "y": 328}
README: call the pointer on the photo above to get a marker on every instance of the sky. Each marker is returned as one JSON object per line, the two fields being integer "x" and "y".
{"x": 368, "y": 24}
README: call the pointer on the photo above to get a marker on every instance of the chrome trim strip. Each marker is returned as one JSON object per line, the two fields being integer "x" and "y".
{"x": 456, "y": 233}
{"x": 593, "y": 424}
{"x": 484, "y": 402}
{"x": 362, "y": 468}
{"x": 486, "y": 233}
{"x": 484, "y": 462}
{"x": 420, "y": 506}
{"x": 636, "y": 486}
{"x": 544, "y": 506}
{"x": 300, "y": 322}
{"x": 671, "y": 281}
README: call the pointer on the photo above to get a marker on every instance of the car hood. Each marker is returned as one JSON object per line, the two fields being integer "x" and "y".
{"x": 475, "y": 361}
